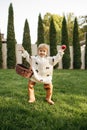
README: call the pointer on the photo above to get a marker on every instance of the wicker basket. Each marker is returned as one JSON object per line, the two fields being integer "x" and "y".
{"x": 23, "y": 71}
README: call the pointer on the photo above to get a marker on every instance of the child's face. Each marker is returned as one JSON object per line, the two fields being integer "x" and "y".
{"x": 42, "y": 52}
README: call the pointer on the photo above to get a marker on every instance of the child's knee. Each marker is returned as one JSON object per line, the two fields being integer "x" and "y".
{"x": 31, "y": 84}
{"x": 48, "y": 86}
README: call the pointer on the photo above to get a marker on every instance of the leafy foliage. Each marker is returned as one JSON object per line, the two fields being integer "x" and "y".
{"x": 76, "y": 47}
{"x": 86, "y": 52}
{"x": 57, "y": 22}
{"x": 11, "y": 42}
{"x": 40, "y": 32}
{"x": 64, "y": 40}
{"x": 0, "y": 52}
{"x": 52, "y": 39}
{"x": 70, "y": 20}
{"x": 26, "y": 38}
{"x": 26, "y": 41}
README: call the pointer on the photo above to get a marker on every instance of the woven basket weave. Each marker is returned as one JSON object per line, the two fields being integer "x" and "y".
{"x": 23, "y": 71}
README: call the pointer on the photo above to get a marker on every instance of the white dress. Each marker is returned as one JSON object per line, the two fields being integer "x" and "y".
{"x": 42, "y": 66}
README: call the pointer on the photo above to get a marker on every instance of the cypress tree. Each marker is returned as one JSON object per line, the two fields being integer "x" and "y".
{"x": 64, "y": 40}
{"x": 11, "y": 42}
{"x": 76, "y": 47}
{"x": 86, "y": 53}
{"x": 0, "y": 51}
{"x": 40, "y": 32}
{"x": 52, "y": 39}
{"x": 26, "y": 41}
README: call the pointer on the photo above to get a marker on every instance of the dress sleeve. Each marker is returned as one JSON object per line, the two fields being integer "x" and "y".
{"x": 56, "y": 59}
{"x": 26, "y": 55}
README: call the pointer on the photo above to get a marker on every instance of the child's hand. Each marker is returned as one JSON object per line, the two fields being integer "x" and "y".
{"x": 22, "y": 49}
{"x": 63, "y": 47}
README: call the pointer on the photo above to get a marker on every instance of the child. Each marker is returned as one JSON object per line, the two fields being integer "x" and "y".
{"x": 42, "y": 66}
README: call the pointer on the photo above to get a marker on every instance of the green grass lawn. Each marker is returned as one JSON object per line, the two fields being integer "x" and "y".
{"x": 68, "y": 113}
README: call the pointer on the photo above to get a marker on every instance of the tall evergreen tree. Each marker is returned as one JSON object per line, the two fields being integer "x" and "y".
{"x": 64, "y": 40}
{"x": 52, "y": 39}
{"x": 0, "y": 51}
{"x": 40, "y": 33}
{"x": 86, "y": 53}
{"x": 76, "y": 47}
{"x": 26, "y": 41}
{"x": 11, "y": 42}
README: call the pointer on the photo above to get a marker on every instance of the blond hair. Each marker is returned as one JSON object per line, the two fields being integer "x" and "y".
{"x": 43, "y": 46}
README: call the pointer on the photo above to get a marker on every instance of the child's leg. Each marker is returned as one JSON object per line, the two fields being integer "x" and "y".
{"x": 31, "y": 91}
{"x": 49, "y": 90}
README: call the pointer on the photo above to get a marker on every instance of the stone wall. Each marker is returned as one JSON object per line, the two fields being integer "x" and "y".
{"x": 4, "y": 55}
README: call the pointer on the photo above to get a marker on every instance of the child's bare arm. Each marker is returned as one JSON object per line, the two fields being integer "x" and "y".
{"x": 25, "y": 54}
{"x": 56, "y": 59}
{"x": 22, "y": 49}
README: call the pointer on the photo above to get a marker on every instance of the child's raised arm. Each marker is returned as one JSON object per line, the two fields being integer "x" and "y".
{"x": 21, "y": 49}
